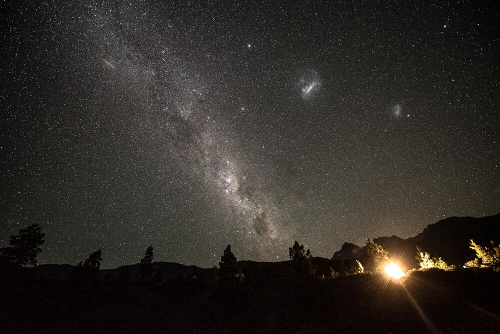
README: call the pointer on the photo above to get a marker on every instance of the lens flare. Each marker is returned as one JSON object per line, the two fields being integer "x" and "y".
{"x": 394, "y": 271}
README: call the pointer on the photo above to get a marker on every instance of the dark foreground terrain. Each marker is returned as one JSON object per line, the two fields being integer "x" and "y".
{"x": 465, "y": 301}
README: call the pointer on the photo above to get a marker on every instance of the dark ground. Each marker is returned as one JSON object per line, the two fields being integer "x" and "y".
{"x": 465, "y": 301}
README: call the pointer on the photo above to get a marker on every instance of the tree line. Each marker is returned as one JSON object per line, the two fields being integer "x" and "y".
{"x": 24, "y": 248}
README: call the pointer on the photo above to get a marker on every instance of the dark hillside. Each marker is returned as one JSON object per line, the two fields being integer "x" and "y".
{"x": 309, "y": 295}
{"x": 464, "y": 302}
{"x": 450, "y": 237}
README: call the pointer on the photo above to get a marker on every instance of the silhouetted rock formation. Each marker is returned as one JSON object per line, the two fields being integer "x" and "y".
{"x": 448, "y": 238}
{"x": 348, "y": 251}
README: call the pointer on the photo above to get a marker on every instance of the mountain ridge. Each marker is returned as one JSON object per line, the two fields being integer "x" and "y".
{"x": 448, "y": 238}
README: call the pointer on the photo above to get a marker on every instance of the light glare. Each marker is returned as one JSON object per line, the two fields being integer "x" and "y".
{"x": 393, "y": 271}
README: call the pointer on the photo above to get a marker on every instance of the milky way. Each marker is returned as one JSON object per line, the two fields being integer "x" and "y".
{"x": 180, "y": 115}
{"x": 190, "y": 126}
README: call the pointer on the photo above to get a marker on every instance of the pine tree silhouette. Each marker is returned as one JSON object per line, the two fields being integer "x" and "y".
{"x": 148, "y": 257}
{"x": 145, "y": 269}
{"x": 229, "y": 271}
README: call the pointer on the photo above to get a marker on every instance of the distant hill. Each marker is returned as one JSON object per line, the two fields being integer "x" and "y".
{"x": 159, "y": 271}
{"x": 448, "y": 238}
{"x": 272, "y": 298}
{"x": 316, "y": 296}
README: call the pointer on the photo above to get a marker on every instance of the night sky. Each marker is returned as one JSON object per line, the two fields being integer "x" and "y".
{"x": 191, "y": 126}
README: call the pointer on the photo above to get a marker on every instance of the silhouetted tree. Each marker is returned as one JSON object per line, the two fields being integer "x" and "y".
{"x": 297, "y": 252}
{"x": 24, "y": 247}
{"x": 93, "y": 262}
{"x": 145, "y": 269}
{"x": 228, "y": 268}
{"x": 301, "y": 261}
{"x": 89, "y": 269}
{"x": 377, "y": 256}
{"x": 148, "y": 257}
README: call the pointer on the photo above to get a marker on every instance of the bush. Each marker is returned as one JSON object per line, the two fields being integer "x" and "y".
{"x": 377, "y": 256}
{"x": 485, "y": 257}
{"x": 427, "y": 262}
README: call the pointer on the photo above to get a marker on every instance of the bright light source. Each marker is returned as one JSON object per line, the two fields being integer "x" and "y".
{"x": 393, "y": 270}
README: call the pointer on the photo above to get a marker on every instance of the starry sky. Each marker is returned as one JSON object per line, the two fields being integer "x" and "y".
{"x": 190, "y": 125}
